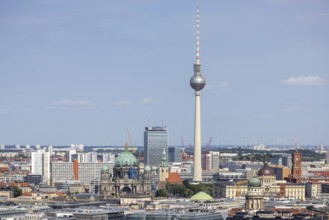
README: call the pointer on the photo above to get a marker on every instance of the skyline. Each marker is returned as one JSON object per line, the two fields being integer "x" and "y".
{"x": 77, "y": 72}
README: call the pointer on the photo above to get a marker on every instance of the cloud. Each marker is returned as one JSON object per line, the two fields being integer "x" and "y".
{"x": 71, "y": 103}
{"x": 294, "y": 109}
{"x": 304, "y": 81}
{"x": 143, "y": 101}
{"x": 224, "y": 86}
{"x": 146, "y": 100}
{"x": 124, "y": 102}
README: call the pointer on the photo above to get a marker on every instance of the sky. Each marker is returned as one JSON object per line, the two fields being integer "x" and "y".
{"x": 93, "y": 72}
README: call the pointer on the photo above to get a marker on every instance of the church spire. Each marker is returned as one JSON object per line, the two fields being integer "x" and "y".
{"x": 164, "y": 161}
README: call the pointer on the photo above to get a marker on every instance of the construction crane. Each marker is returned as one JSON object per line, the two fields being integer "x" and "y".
{"x": 184, "y": 154}
{"x": 238, "y": 190}
{"x": 131, "y": 147}
{"x": 192, "y": 150}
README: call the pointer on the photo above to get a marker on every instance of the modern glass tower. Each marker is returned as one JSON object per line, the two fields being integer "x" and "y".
{"x": 155, "y": 140}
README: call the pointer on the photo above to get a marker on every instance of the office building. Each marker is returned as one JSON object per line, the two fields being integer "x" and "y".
{"x": 69, "y": 155}
{"x": 34, "y": 178}
{"x": 50, "y": 150}
{"x": 84, "y": 172}
{"x": 155, "y": 140}
{"x": 90, "y": 157}
{"x": 108, "y": 157}
{"x": 276, "y": 160}
{"x": 40, "y": 164}
{"x": 211, "y": 160}
{"x": 281, "y": 172}
{"x": 175, "y": 154}
{"x": 62, "y": 171}
{"x": 287, "y": 160}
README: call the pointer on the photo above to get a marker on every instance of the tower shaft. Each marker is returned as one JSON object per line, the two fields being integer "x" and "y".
{"x": 197, "y": 175}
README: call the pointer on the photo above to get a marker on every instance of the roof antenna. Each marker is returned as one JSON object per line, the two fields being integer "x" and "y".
{"x": 197, "y": 36}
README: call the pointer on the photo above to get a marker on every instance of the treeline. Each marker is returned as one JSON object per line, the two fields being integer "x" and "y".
{"x": 256, "y": 155}
{"x": 185, "y": 190}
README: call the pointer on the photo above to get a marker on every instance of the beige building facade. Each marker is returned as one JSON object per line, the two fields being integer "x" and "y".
{"x": 270, "y": 186}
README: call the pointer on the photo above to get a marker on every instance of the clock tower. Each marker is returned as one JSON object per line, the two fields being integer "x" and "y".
{"x": 296, "y": 171}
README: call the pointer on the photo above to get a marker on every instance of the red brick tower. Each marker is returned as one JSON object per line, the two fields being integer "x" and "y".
{"x": 296, "y": 171}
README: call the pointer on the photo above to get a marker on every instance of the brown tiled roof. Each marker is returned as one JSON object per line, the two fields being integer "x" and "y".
{"x": 174, "y": 178}
{"x": 59, "y": 194}
{"x": 14, "y": 184}
{"x": 321, "y": 173}
{"x": 26, "y": 194}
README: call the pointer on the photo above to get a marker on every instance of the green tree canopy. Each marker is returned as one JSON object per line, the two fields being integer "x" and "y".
{"x": 161, "y": 193}
{"x": 17, "y": 191}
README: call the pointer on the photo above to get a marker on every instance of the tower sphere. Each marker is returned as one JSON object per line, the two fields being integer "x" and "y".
{"x": 197, "y": 82}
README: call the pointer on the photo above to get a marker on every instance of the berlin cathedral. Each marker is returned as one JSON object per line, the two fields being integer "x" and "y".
{"x": 128, "y": 177}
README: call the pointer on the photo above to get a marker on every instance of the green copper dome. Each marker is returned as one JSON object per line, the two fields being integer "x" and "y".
{"x": 254, "y": 182}
{"x": 125, "y": 159}
{"x": 164, "y": 161}
{"x": 201, "y": 196}
{"x": 105, "y": 168}
{"x": 147, "y": 169}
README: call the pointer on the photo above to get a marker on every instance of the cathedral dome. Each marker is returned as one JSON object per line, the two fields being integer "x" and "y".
{"x": 125, "y": 159}
{"x": 266, "y": 171}
{"x": 254, "y": 182}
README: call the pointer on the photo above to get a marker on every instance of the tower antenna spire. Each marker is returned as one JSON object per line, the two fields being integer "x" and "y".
{"x": 197, "y": 36}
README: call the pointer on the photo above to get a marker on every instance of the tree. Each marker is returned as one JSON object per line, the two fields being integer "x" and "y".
{"x": 17, "y": 191}
{"x": 186, "y": 183}
{"x": 188, "y": 193}
{"x": 204, "y": 187}
{"x": 161, "y": 193}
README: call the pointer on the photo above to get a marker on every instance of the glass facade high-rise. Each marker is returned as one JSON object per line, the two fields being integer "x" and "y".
{"x": 155, "y": 140}
{"x": 175, "y": 154}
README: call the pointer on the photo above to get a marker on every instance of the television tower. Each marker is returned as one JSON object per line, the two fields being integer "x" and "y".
{"x": 197, "y": 83}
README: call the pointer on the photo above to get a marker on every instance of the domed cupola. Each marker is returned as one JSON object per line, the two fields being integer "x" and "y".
{"x": 125, "y": 159}
{"x": 266, "y": 171}
{"x": 147, "y": 169}
{"x": 254, "y": 182}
